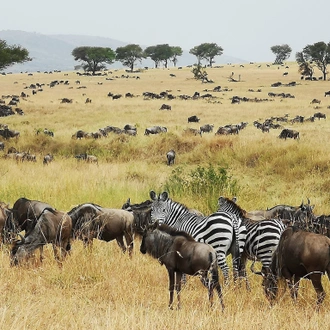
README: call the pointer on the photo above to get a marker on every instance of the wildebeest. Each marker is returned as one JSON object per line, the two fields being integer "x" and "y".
{"x": 165, "y": 107}
{"x": 170, "y": 156}
{"x": 193, "y": 119}
{"x": 320, "y": 115}
{"x": 7, "y": 227}
{"x": 48, "y": 159}
{"x": 51, "y": 227}
{"x": 155, "y": 130}
{"x": 277, "y": 211}
{"x": 79, "y": 135}
{"x": 315, "y": 101}
{"x": 327, "y": 93}
{"x": 207, "y": 128}
{"x": 142, "y": 214}
{"x": 181, "y": 254}
{"x": 9, "y": 133}
{"x": 2, "y": 146}
{"x": 26, "y": 212}
{"x": 299, "y": 254}
{"x": 193, "y": 131}
{"x": 87, "y": 158}
{"x": 91, "y": 221}
{"x": 289, "y": 133}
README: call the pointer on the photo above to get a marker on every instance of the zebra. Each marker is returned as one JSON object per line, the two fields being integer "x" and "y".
{"x": 217, "y": 229}
{"x": 262, "y": 237}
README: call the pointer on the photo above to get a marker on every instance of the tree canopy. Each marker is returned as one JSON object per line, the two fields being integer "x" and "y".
{"x": 163, "y": 53}
{"x": 207, "y": 51}
{"x": 129, "y": 54}
{"x": 95, "y": 58}
{"x": 316, "y": 55}
{"x": 282, "y": 53}
{"x": 10, "y": 55}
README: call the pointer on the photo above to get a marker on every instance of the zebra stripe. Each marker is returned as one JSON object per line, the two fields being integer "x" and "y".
{"x": 262, "y": 236}
{"x": 215, "y": 229}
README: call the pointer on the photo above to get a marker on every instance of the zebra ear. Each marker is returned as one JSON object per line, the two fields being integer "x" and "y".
{"x": 221, "y": 200}
{"x": 153, "y": 195}
{"x": 163, "y": 196}
{"x": 234, "y": 199}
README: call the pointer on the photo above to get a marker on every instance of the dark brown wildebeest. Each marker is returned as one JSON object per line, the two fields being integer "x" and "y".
{"x": 142, "y": 214}
{"x": 53, "y": 227}
{"x": 165, "y": 107}
{"x": 9, "y": 133}
{"x": 299, "y": 254}
{"x": 326, "y": 93}
{"x": 26, "y": 212}
{"x": 170, "y": 156}
{"x": 2, "y": 146}
{"x": 320, "y": 115}
{"x": 79, "y": 135}
{"x": 93, "y": 221}
{"x": 314, "y": 101}
{"x": 289, "y": 133}
{"x": 181, "y": 254}
{"x": 193, "y": 119}
{"x": 109, "y": 225}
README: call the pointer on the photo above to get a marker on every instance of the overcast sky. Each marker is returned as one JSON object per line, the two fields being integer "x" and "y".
{"x": 245, "y": 29}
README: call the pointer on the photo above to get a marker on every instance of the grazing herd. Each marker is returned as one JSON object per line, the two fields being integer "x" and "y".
{"x": 285, "y": 239}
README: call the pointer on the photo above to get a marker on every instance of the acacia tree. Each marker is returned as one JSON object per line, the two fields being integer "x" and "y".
{"x": 305, "y": 67}
{"x": 151, "y": 52}
{"x": 282, "y": 53}
{"x": 163, "y": 53}
{"x": 317, "y": 55}
{"x": 207, "y": 51}
{"x": 176, "y": 52}
{"x": 129, "y": 54}
{"x": 95, "y": 58}
{"x": 10, "y": 55}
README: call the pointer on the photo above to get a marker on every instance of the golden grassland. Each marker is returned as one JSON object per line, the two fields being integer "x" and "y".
{"x": 104, "y": 289}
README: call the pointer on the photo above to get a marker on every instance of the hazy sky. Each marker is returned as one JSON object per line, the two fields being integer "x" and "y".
{"x": 245, "y": 29}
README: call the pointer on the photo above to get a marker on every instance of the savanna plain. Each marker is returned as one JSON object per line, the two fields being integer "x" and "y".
{"x": 105, "y": 289}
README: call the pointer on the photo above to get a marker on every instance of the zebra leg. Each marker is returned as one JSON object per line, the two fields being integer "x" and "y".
{"x": 242, "y": 271}
{"x": 224, "y": 267}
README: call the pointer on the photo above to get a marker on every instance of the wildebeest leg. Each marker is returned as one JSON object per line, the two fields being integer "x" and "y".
{"x": 178, "y": 277}
{"x": 171, "y": 277}
{"x": 41, "y": 249}
{"x": 120, "y": 242}
{"x": 316, "y": 280}
{"x": 129, "y": 238}
{"x": 294, "y": 287}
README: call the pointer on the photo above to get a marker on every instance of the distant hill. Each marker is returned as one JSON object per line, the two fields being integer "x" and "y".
{"x": 53, "y": 52}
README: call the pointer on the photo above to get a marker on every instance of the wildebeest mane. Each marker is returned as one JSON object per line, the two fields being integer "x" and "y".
{"x": 174, "y": 232}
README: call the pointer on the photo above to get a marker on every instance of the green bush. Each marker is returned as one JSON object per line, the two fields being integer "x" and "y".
{"x": 206, "y": 184}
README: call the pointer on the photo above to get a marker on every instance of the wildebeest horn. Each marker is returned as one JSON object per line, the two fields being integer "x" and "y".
{"x": 253, "y": 270}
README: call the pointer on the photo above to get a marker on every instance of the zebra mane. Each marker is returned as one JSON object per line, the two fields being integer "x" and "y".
{"x": 232, "y": 204}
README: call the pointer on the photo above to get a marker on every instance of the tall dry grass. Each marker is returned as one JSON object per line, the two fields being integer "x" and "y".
{"x": 103, "y": 289}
